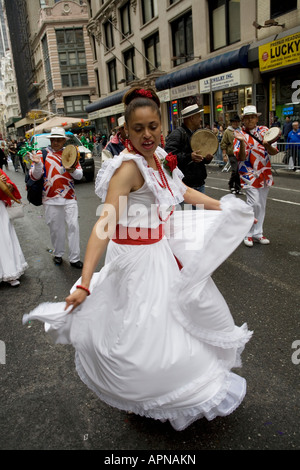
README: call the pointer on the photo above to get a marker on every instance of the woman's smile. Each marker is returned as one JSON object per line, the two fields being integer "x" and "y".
{"x": 149, "y": 145}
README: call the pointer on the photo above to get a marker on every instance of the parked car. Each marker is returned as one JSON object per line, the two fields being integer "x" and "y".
{"x": 86, "y": 159}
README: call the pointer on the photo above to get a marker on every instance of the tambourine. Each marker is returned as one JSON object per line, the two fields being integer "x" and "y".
{"x": 5, "y": 189}
{"x": 204, "y": 142}
{"x": 106, "y": 155}
{"x": 70, "y": 157}
{"x": 272, "y": 135}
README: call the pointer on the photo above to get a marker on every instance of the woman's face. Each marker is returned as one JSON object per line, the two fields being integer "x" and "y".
{"x": 144, "y": 130}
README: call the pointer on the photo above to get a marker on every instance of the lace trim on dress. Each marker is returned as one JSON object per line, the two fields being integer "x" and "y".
{"x": 14, "y": 276}
{"x": 162, "y": 195}
{"x": 224, "y": 402}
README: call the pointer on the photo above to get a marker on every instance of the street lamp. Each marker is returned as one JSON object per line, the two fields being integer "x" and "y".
{"x": 37, "y": 115}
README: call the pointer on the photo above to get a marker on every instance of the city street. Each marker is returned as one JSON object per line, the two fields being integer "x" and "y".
{"x": 44, "y": 404}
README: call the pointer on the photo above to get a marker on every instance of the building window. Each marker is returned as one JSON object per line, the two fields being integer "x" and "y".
{"x": 125, "y": 19}
{"x": 47, "y": 64}
{"x": 112, "y": 75}
{"x": 280, "y": 8}
{"x": 76, "y": 104}
{"x": 152, "y": 53}
{"x": 182, "y": 37}
{"x": 149, "y": 10}
{"x": 72, "y": 80}
{"x": 53, "y": 106}
{"x": 109, "y": 34}
{"x": 68, "y": 37}
{"x": 69, "y": 59}
{"x": 72, "y": 58}
{"x": 225, "y": 25}
{"x": 129, "y": 65}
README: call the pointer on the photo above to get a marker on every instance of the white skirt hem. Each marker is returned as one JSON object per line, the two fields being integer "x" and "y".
{"x": 223, "y": 403}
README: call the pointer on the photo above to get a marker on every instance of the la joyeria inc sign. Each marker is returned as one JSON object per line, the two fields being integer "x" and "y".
{"x": 225, "y": 80}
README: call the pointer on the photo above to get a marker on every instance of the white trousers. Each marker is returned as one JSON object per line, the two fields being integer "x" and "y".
{"x": 57, "y": 218}
{"x": 257, "y": 199}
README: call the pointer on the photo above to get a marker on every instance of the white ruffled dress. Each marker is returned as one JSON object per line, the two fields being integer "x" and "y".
{"x": 151, "y": 338}
{"x": 12, "y": 261}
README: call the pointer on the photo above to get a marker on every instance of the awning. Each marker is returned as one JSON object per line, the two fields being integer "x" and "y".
{"x": 23, "y": 122}
{"x": 106, "y": 102}
{"x": 219, "y": 64}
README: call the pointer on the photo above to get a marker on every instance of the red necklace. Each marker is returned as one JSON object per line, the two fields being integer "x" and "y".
{"x": 163, "y": 183}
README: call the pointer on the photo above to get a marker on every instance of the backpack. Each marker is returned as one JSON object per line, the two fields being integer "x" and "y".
{"x": 35, "y": 188}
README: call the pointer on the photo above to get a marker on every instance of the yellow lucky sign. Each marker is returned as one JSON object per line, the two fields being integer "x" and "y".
{"x": 280, "y": 53}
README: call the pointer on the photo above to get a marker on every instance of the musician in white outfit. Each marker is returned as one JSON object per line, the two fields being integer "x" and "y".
{"x": 59, "y": 198}
{"x": 252, "y": 149}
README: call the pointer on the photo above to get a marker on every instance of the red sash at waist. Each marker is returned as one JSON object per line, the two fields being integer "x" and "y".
{"x": 138, "y": 235}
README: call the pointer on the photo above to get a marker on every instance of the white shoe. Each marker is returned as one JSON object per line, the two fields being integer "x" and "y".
{"x": 15, "y": 283}
{"x": 262, "y": 240}
{"x": 248, "y": 241}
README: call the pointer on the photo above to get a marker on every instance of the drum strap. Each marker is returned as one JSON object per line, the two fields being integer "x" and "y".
{"x": 254, "y": 137}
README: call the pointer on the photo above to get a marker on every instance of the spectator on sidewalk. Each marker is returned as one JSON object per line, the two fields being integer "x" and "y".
{"x": 228, "y": 154}
{"x": 117, "y": 142}
{"x": 294, "y": 148}
{"x": 287, "y": 127}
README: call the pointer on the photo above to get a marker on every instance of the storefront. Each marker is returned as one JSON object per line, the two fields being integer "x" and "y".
{"x": 279, "y": 67}
{"x": 226, "y": 95}
{"x": 181, "y": 88}
{"x": 106, "y": 119}
{"x": 180, "y": 97}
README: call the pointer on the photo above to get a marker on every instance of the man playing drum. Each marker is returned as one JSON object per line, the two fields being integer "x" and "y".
{"x": 252, "y": 148}
{"x": 59, "y": 199}
{"x": 178, "y": 142}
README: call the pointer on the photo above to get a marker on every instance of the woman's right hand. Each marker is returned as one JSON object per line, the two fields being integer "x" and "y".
{"x": 75, "y": 299}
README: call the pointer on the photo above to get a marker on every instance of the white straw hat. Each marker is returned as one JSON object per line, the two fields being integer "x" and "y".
{"x": 250, "y": 110}
{"x": 190, "y": 111}
{"x": 58, "y": 133}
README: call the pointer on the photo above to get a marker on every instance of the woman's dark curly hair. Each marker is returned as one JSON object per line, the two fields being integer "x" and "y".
{"x": 138, "y": 97}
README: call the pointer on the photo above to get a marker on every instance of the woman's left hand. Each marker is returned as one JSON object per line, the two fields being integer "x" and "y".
{"x": 76, "y": 298}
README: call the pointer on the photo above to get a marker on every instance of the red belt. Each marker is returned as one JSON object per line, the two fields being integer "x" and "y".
{"x": 138, "y": 235}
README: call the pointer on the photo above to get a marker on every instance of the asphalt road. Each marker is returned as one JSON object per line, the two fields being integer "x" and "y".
{"x": 45, "y": 406}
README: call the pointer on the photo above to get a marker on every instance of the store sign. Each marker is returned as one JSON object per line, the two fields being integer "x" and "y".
{"x": 163, "y": 95}
{"x": 280, "y": 53}
{"x": 182, "y": 91}
{"x": 226, "y": 80}
{"x": 232, "y": 97}
{"x": 118, "y": 109}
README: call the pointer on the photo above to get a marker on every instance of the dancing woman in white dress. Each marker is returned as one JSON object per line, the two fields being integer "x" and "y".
{"x": 152, "y": 333}
{"x": 12, "y": 261}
